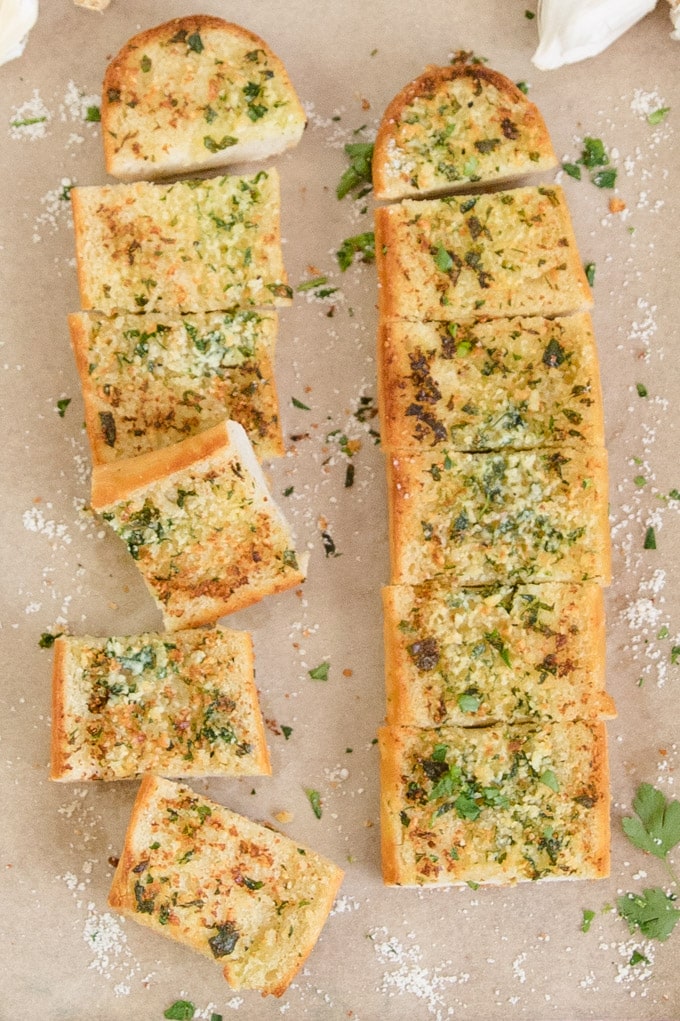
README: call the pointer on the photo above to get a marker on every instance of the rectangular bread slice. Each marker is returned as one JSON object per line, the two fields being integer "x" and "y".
{"x": 510, "y": 516}
{"x": 237, "y": 892}
{"x": 201, "y": 525}
{"x": 498, "y": 254}
{"x": 494, "y": 805}
{"x": 474, "y": 656}
{"x": 150, "y": 380}
{"x": 180, "y": 705}
{"x": 455, "y": 126}
{"x": 485, "y": 385}
{"x": 190, "y": 246}
{"x": 194, "y": 93}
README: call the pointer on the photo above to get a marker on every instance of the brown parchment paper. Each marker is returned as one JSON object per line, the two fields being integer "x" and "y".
{"x": 384, "y": 954}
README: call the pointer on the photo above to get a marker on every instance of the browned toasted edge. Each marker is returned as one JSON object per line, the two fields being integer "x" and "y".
{"x": 79, "y": 336}
{"x": 115, "y": 70}
{"x": 59, "y": 769}
{"x": 252, "y": 696}
{"x": 119, "y": 893}
{"x": 398, "y": 703}
{"x": 79, "y": 233}
{"x": 390, "y": 825}
{"x": 600, "y": 465}
{"x": 117, "y": 481}
{"x": 601, "y": 852}
{"x": 384, "y": 235}
{"x": 431, "y": 79}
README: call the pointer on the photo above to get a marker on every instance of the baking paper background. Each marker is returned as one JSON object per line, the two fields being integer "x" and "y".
{"x": 384, "y": 954}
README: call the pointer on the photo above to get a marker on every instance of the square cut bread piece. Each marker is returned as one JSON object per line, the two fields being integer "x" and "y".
{"x": 475, "y": 385}
{"x": 456, "y": 126}
{"x": 499, "y": 254}
{"x": 150, "y": 380}
{"x": 243, "y": 895}
{"x": 514, "y": 516}
{"x": 474, "y": 656}
{"x": 180, "y": 705}
{"x": 195, "y": 93}
{"x": 191, "y": 246}
{"x": 201, "y": 525}
{"x": 495, "y": 805}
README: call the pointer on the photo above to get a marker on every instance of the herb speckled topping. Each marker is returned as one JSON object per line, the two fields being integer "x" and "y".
{"x": 455, "y": 126}
{"x": 516, "y": 383}
{"x": 506, "y": 516}
{"x": 471, "y": 656}
{"x": 151, "y": 380}
{"x": 501, "y": 254}
{"x": 494, "y": 804}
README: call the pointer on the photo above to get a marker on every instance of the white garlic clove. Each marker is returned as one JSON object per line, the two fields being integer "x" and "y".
{"x": 578, "y": 29}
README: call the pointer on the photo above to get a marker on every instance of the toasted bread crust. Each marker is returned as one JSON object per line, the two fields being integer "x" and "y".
{"x": 475, "y": 385}
{"x": 500, "y": 254}
{"x": 264, "y": 899}
{"x": 477, "y": 656}
{"x": 190, "y": 246}
{"x": 152, "y": 380}
{"x": 200, "y": 522}
{"x": 455, "y": 126}
{"x": 185, "y": 706}
{"x": 194, "y": 93}
{"x": 469, "y": 806}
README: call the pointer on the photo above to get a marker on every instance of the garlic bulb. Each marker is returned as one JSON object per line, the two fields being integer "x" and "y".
{"x": 17, "y": 18}
{"x": 675, "y": 18}
{"x": 571, "y": 30}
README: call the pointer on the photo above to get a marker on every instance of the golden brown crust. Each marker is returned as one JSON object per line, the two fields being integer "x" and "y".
{"x": 456, "y": 125}
{"x": 58, "y": 755}
{"x": 457, "y": 257}
{"x": 519, "y": 383}
{"x": 264, "y": 898}
{"x": 151, "y": 380}
{"x": 469, "y": 806}
{"x": 206, "y": 64}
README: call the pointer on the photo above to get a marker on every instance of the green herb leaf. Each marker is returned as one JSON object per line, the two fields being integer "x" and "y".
{"x": 548, "y": 778}
{"x": 286, "y": 731}
{"x": 359, "y": 245}
{"x": 315, "y": 801}
{"x": 468, "y": 703}
{"x": 195, "y": 43}
{"x": 657, "y": 828}
{"x": 180, "y": 1010}
{"x": 523, "y": 87}
{"x": 47, "y": 640}
{"x": 650, "y": 539}
{"x": 298, "y": 404}
{"x": 225, "y": 940}
{"x": 637, "y": 958}
{"x": 588, "y": 916}
{"x": 573, "y": 169}
{"x": 590, "y": 273}
{"x": 359, "y": 170}
{"x": 594, "y": 153}
{"x": 93, "y": 114}
{"x": 320, "y": 673}
{"x": 642, "y": 390}
{"x": 442, "y": 259}
{"x": 656, "y": 116}
{"x": 675, "y": 655}
{"x": 652, "y": 912}
{"x": 213, "y": 145}
{"x": 62, "y": 405}
{"x": 605, "y": 178}
{"x": 145, "y": 63}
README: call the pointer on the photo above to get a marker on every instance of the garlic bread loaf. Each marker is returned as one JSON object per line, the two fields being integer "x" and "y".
{"x": 179, "y": 705}
{"x": 190, "y": 246}
{"x": 194, "y": 93}
{"x": 485, "y": 385}
{"x": 510, "y": 516}
{"x": 474, "y": 656}
{"x": 237, "y": 892}
{"x": 498, "y": 254}
{"x": 201, "y": 525}
{"x": 494, "y": 804}
{"x": 152, "y": 379}
{"x": 456, "y": 126}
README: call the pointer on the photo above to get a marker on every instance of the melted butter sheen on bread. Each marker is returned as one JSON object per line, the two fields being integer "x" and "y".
{"x": 195, "y": 93}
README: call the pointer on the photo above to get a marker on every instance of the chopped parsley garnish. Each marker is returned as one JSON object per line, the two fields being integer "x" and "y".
{"x": 590, "y": 273}
{"x": 593, "y": 156}
{"x": 180, "y": 1010}
{"x": 298, "y": 404}
{"x": 286, "y": 731}
{"x": 47, "y": 640}
{"x": 548, "y": 778}
{"x": 657, "y": 826}
{"x": 605, "y": 178}
{"x": 225, "y": 940}
{"x": 573, "y": 169}
{"x": 320, "y": 673}
{"x": 93, "y": 114}
{"x": 588, "y": 916}
{"x": 652, "y": 912}
{"x": 314, "y": 799}
{"x": 650, "y": 539}
{"x": 642, "y": 390}
{"x": 359, "y": 170}
{"x": 594, "y": 153}
{"x": 62, "y": 405}
{"x": 212, "y": 145}
{"x": 362, "y": 245}
{"x": 656, "y": 116}
{"x": 195, "y": 43}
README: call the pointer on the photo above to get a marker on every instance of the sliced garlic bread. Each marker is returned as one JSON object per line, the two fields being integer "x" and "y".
{"x": 508, "y": 516}
{"x": 150, "y": 380}
{"x": 494, "y": 805}
{"x": 499, "y": 254}
{"x": 473, "y": 656}
{"x": 237, "y": 892}
{"x": 201, "y": 525}
{"x": 456, "y": 126}
{"x": 195, "y": 93}
{"x": 190, "y": 246}
{"x": 486, "y": 385}
{"x": 179, "y": 705}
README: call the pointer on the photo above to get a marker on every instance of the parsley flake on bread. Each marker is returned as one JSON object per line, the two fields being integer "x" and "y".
{"x": 195, "y": 93}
